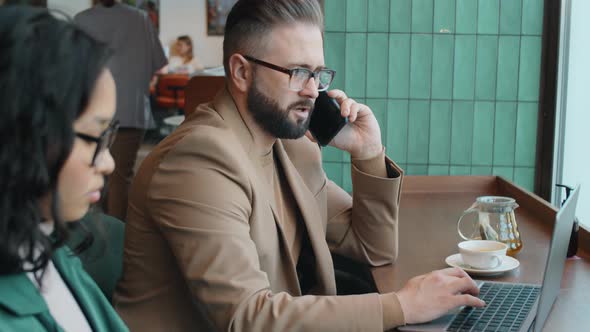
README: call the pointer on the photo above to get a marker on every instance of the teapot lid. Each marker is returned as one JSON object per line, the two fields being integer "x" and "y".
{"x": 496, "y": 204}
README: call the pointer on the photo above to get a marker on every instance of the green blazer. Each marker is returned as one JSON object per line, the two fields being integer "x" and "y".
{"x": 22, "y": 308}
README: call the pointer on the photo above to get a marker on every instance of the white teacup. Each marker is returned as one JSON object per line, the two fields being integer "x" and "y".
{"x": 482, "y": 254}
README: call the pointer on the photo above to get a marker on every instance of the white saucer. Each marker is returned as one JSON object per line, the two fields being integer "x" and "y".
{"x": 508, "y": 264}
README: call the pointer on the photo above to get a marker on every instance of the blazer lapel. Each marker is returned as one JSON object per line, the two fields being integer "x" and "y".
{"x": 312, "y": 220}
{"x": 21, "y": 298}
{"x": 226, "y": 108}
{"x": 97, "y": 310}
{"x": 71, "y": 276}
{"x": 259, "y": 182}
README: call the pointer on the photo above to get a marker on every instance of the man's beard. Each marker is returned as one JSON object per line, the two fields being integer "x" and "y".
{"x": 275, "y": 120}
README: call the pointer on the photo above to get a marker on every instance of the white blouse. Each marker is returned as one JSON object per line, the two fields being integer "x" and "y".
{"x": 176, "y": 65}
{"x": 61, "y": 303}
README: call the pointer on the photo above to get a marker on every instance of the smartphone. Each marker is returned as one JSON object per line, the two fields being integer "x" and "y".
{"x": 326, "y": 121}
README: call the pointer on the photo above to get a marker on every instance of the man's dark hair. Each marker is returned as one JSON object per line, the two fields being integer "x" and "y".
{"x": 250, "y": 20}
{"x": 48, "y": 70}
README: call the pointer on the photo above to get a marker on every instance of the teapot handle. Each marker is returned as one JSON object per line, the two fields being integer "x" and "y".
{"x": 466, "y": 212}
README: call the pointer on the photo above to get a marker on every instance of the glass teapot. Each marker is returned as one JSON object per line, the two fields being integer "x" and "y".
{"x": 495, "y": 221}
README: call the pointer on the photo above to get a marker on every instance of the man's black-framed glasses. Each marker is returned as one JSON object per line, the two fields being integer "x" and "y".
{"x": 103, "y": 142}
{"x": 298, "y": 77}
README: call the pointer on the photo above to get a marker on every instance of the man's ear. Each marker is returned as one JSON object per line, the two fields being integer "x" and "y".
{"x": 240, "y": 71}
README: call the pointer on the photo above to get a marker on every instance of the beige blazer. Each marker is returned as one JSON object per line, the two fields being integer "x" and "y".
{"x": 204, "y": 245}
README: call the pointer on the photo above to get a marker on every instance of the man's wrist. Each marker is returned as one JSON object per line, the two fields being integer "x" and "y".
{"x": 367, "y": 152}
{"x": 393, "y": 314}
{"x": 375, "y": 166}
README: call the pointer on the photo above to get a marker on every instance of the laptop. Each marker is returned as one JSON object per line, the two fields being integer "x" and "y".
{"x": 515, "y": 306}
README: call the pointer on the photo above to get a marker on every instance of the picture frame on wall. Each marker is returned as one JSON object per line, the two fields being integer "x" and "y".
{"x": 217, "y": 11}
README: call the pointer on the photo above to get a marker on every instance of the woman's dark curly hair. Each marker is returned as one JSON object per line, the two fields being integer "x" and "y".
{"x": 48, "y": 69}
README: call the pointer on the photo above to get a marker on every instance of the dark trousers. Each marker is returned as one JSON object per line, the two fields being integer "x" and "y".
{"x": 124, "y": 152}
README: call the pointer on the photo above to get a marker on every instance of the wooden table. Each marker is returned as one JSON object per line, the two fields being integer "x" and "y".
{"x": 430, "y": 206}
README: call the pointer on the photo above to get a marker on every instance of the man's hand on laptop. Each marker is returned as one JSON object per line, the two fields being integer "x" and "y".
{"x": 432, "y": 295}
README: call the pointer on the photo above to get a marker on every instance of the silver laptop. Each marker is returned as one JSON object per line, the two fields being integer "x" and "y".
{"x": 515, "y": 306}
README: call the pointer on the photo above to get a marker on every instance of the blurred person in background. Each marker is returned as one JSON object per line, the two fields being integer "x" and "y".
{"x": 183, "y": 60}
{"x": 137, "y": 55}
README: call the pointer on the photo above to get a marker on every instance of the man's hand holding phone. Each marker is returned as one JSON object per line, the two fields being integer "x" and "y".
{"x": 361, "y": 137}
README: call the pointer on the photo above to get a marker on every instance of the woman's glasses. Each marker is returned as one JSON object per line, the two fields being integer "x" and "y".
{"x": 103, "y": 142}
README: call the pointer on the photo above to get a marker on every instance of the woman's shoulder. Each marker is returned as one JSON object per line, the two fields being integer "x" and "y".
{"x": 20, "y": 304}
{"x": 11, "y": 322}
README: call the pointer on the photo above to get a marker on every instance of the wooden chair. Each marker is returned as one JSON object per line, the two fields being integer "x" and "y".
{"x": 201, "y": 89}
{"x": 170, "y": 91}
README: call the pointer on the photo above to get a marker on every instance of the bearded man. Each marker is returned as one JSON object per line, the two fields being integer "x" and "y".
{"x": 232, "y": 220}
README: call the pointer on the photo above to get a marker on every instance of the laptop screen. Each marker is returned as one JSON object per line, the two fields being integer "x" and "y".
{"x": 556, "y": 259}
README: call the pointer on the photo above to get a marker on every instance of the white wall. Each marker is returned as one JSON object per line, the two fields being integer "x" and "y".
{"x": 188, "y": 17}
{"x": 177, "y": 17}
{"x": 68, "y": 6}
{"x": 576, "y": 149}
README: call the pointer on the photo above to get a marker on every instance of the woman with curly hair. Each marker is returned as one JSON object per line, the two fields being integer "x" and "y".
{"x": 58, "y": 101}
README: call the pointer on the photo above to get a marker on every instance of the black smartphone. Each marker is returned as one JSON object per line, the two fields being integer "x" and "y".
{"x": 326, "y": 121}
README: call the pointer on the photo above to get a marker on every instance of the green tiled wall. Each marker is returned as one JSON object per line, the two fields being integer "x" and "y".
{"x": 454, "y": 84}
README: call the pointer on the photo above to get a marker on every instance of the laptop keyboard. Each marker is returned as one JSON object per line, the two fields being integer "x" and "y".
{"x": 507, "y": 306}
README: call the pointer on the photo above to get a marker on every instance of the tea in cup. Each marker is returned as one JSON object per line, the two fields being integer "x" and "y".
{"x": 482, "y": 254}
